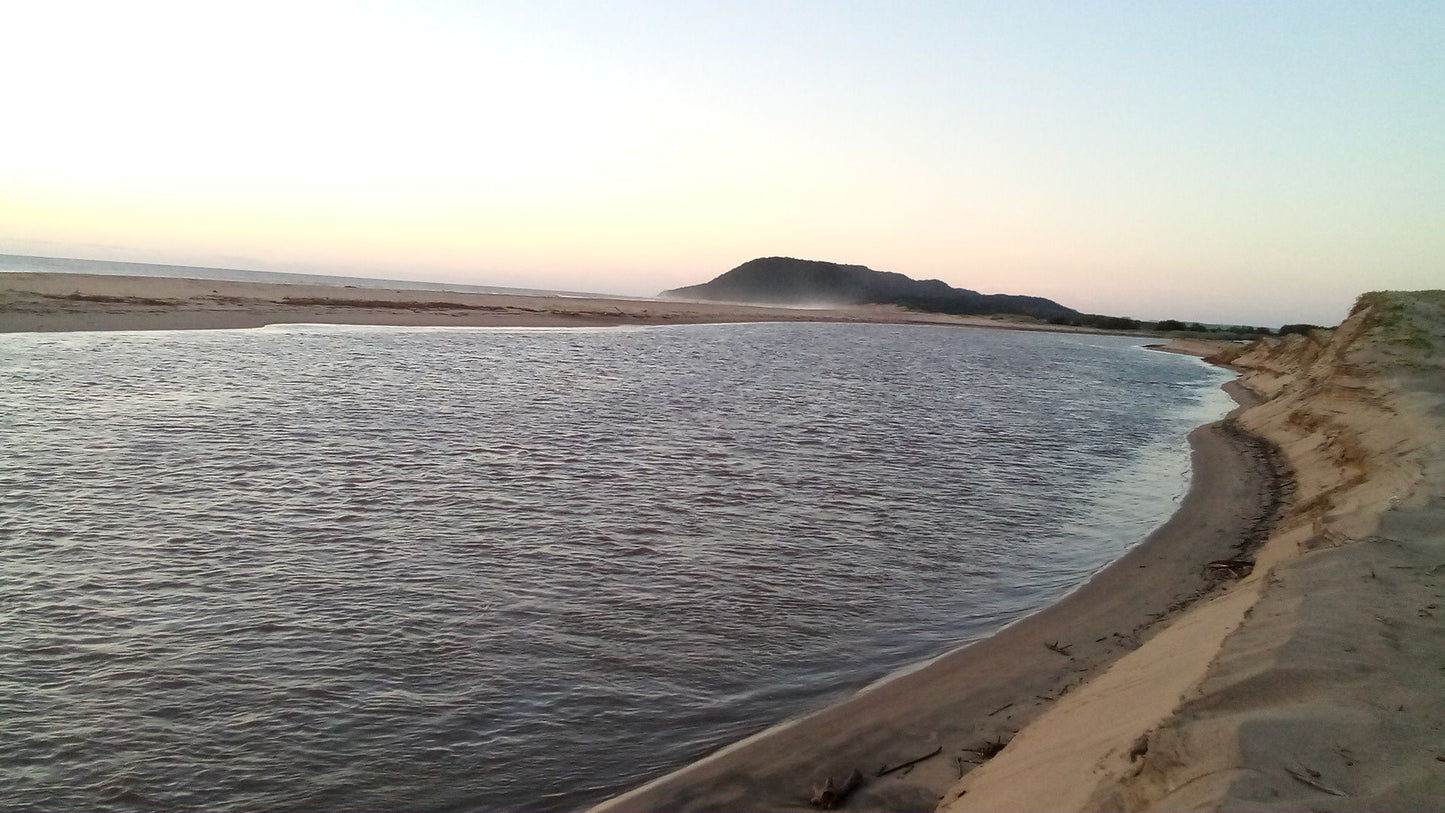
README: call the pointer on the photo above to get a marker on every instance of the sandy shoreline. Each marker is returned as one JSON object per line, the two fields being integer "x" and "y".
{"x": 49, "y": 302}
{"x": 986, "y": 691}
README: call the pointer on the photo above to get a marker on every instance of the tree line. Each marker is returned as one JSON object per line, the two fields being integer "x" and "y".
{"x": 1125, "y": 323}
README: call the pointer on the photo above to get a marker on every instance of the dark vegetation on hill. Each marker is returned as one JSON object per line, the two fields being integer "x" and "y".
{"x": 1175, "y": 327}
{"x": 813, "y": 283}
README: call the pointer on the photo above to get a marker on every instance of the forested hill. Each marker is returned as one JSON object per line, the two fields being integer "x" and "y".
{"x": 812, "y": 283}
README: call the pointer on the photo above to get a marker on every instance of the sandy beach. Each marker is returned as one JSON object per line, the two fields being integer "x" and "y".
{"x": 63, "y": 302}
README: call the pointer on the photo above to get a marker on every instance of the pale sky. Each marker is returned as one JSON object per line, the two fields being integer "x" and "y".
{"x": 1249, "y": 162}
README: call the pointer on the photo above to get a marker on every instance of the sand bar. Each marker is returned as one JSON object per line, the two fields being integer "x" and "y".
{"x": 65, "y": 302}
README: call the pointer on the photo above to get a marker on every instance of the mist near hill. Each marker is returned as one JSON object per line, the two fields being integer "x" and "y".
{"x": 815, "y": 283}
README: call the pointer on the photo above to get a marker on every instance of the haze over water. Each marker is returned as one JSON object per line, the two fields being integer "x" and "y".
{"x": 306, "y": 568}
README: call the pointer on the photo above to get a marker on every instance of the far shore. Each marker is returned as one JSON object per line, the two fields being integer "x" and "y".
{"x": 54, "y": 302}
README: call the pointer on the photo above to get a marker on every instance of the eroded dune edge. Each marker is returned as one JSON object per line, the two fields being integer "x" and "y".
{"x": 1315, "y": 682}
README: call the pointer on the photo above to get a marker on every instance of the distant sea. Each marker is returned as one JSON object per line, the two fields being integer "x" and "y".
{"x": 363, "y": 568}
{"x": 20, "y": 263}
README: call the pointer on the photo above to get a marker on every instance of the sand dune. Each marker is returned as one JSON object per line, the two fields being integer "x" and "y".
{"x": 1314, "y": 683}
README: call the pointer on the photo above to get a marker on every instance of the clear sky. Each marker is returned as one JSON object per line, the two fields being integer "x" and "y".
{"x": 1251, "y": 162}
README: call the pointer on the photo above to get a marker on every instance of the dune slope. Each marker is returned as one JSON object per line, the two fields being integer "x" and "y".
{"x": 1316, "y": 681}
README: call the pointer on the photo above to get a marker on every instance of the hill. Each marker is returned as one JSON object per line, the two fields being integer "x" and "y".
{"x": 812, "y": 283}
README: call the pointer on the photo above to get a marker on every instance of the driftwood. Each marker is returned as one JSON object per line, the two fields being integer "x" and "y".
{"x": 1062, "y": 649}
{"x": 1229, "y": 568}
{"x": 885, "y": 770}
{"x": 1312, "y": 778}
{"x": 828, "y": 796}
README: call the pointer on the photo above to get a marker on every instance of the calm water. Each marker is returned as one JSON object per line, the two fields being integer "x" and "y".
{"x": 319, "y": 568}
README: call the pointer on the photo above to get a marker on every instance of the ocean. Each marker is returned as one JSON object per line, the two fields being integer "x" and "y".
{"x": 358, "y": 568}
{"x": 17, "y": 263}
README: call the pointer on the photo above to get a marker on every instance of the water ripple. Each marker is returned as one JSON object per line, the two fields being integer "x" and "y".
{"x": 324, "y": 569}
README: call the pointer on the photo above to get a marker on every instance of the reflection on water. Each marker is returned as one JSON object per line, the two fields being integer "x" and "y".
{"x": 359, "y": 569}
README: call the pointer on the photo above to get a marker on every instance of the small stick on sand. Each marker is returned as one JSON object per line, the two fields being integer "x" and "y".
{"x": 885, "y": 770}
{"x": 1000, "y": 708}
{"x": 1229, "y": 568}
{"x": 1062, "y": 649}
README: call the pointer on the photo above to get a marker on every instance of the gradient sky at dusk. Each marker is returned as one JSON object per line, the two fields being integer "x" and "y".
{"x": 1260, "y": 162}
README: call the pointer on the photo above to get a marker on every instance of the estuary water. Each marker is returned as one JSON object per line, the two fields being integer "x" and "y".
{"x": 356, "y": 569}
